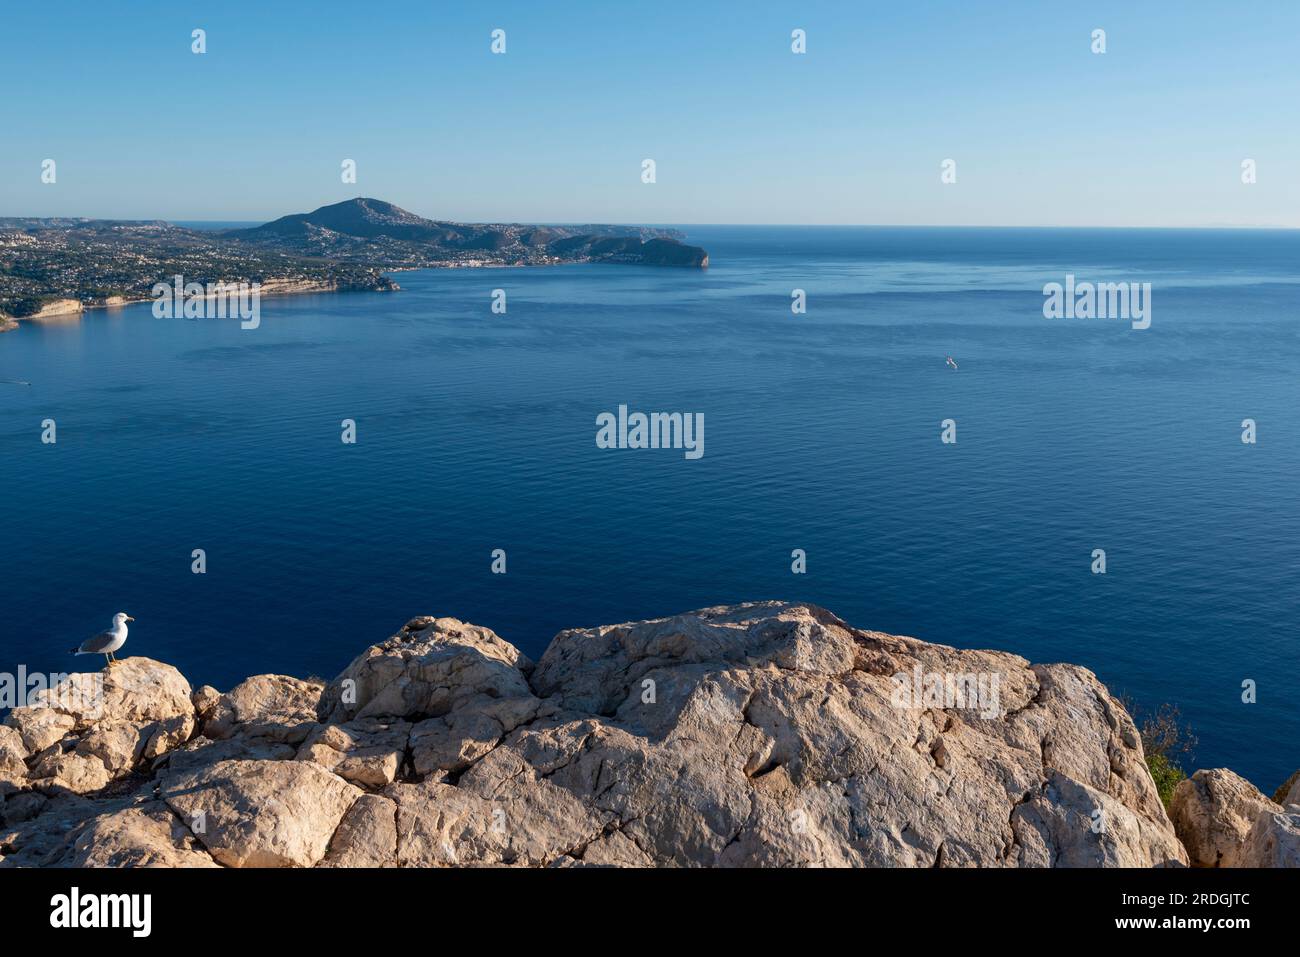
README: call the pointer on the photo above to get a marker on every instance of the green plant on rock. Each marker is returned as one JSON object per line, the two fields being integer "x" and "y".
{"x": 1166, "y": 742}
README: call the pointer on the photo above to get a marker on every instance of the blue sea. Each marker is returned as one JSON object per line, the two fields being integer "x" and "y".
{"x": 476, "y": 431}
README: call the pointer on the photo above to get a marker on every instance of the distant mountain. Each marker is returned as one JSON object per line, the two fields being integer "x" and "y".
{"x": 364, "y": 218}
{"x": 377, "y": 233}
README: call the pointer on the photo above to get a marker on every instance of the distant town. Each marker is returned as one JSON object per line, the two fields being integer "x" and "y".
{"x": 64, "y": 265}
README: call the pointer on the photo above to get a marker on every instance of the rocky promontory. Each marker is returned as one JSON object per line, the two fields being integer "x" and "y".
{"x": 373, "y": 232}
{"x": 58, "y": 307}
{"x": 763, "y": 734}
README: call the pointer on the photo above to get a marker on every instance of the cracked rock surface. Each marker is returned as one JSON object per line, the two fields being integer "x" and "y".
{"x": 1225, "y": 821}
{"x": 762, "y": 734}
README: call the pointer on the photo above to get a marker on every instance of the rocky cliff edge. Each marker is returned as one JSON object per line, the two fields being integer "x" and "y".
{"x": 763, "y": 734}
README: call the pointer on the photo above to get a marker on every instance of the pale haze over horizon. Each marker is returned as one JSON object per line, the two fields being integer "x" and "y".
{"x": 1044, "y": 132}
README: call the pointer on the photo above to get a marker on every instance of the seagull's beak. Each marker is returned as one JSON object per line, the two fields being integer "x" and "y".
{"x": 129, "y": 618}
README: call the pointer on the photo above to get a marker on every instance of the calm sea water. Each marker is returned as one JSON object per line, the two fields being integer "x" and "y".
{"x": 476, "y": 431}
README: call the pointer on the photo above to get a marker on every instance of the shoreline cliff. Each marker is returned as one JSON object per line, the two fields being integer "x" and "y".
{"x": 761, "y": 734}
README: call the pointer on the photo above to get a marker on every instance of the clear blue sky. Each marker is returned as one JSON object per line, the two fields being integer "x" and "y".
{"x": 1043, "y": 131}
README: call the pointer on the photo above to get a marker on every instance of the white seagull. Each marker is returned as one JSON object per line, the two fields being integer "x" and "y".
{"x": 106, "y": 642}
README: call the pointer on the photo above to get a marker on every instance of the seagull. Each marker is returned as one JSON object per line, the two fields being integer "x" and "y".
{"x": 952, "y": 362}
{"x": 106, "y": 642}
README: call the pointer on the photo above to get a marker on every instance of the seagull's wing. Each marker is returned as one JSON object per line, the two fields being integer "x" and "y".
{"x": 98, "y": 643}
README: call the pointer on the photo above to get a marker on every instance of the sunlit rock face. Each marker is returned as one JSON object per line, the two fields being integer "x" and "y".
{"x": 763, "y": 734}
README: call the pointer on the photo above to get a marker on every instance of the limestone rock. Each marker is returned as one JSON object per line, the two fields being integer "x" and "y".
{"x": 1212, "y": 812}
{"x": 13, "y": 760}
{"x": 19, "y": 807}
{"x": 1068, "y": 824}
{"x": 367, "y": 835}
{"x": 429, "y": 669}
{"x": 368, "y": 751}
{"x": 39, "y": 728}
{"x": 775, "y": 734}
{"x": 41, "y": 834}
{"x": 141, "y": 689}
{"x": 58, "y": 770}
{"x": 527, "y": 822}
{"x": 204, "y": 752}
{"x": 146, "y": 835}
{"x": 274, "y": 707}
{"x": 261, "y": 813}
{"x": 464, "y": 687}
{"x": 762, "y": 734}
{"x": 205, "y": 701}
{"x": 96, "y": 728}
{"x": 454, "y": 742}
{"x": 1273, "y": 841}
{"x": 1289, "y": 792}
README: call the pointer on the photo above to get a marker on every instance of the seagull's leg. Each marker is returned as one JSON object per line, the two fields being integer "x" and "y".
{"x": 107, "y": 662}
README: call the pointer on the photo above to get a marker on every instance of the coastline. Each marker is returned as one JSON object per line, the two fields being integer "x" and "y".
{"x": 62, "y": 268}
{"x": 67, "y": 309}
